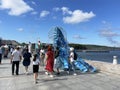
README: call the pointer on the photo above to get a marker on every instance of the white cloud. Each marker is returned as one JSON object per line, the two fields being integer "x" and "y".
{"x": 78, "y": 16}
{"x": 44, "y": 13}
{"x": 66, "y": 10}
{"x": 15, "y": 7}
{"x": 20, "y": 29}
{"x": 56, "y": 9}
{"x": 114, "y": 42}
{"x": 108, "y": 33}
{"x": 74, "y": 17}
{"x": 104, "y": 22}
{"x": 77, "y": 37}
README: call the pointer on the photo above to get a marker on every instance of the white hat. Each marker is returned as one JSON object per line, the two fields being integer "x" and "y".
{"x": 42, "y": 51}
{"x": 6, "y": 46}
{"x": 71, "y": 49}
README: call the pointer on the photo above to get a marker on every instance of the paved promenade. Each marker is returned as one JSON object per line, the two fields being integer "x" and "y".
{"x": 86, "y": 81}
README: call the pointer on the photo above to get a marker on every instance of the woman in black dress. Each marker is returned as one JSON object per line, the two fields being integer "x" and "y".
{"x": 26, "y": 60}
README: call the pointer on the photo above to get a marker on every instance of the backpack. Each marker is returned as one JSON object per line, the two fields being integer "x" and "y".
{"x": 75, "y": 56}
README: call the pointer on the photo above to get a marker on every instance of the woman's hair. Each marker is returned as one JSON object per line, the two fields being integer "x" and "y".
{"x": 49, "y": 48}
{"x": 57, "y": 48}
{"x": 17, "y": 48}
{"x": 35, "y": 56}
{"x": 27, "y": 50}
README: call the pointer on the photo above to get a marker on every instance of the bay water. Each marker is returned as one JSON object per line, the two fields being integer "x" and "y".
{"x": 100, "y": 56}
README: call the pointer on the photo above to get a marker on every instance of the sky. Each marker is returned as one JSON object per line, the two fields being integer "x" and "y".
{"x": 93, "y": 22}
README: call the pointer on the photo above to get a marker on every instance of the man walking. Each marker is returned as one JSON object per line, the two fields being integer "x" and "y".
{"x": 15, "y": 59}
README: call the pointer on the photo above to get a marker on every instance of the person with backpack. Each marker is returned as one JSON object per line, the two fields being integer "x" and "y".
{"x": 73, "y": 57}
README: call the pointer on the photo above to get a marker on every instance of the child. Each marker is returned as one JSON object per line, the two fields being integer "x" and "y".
{"x": 36, "y": 63}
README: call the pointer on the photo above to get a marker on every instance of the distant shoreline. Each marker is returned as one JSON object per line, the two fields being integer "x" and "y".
{"x": 87, "y": 51}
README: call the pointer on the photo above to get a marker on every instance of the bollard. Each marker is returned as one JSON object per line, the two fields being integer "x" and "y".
{"x": 114, "y": 60}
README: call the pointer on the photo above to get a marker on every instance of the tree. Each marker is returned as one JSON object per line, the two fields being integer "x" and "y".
{"x": 23, "y": 44}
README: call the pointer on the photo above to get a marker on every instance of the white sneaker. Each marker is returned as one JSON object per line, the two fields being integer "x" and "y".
{"x": 27, "y": 73}
{"x": 46, "y": 73}
{"x": 51, "y": 76}
{"x": 74, "y": 74}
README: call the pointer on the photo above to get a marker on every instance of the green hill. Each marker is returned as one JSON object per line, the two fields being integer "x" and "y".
{"x": 76, "y": 46}
{"x": 92, "y": 47}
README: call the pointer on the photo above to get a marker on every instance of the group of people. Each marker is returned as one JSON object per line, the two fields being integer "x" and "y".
{"x": 48, "y": 59}
{"x": 5, "y": 52}
{"x": 0, "y": 55}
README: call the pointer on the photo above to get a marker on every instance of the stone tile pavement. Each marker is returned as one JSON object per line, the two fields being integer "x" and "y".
{"x": 83, "y": 81}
